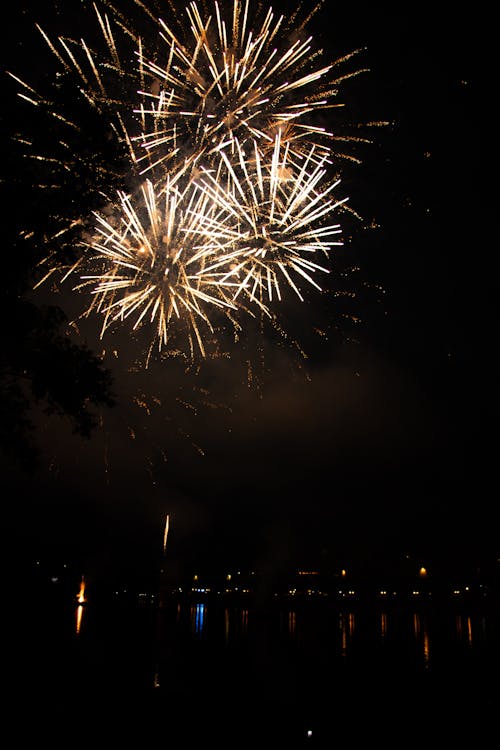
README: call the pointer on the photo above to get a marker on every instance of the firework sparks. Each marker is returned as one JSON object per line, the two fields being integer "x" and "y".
{"x": 220, "y": 191}
{"x": 150, "y": 262}
{"x": 233, "y": 81}
{"x": 276, "y": 222}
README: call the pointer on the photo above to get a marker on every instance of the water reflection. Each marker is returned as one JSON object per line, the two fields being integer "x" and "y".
{"x": 244, "y": 621}
{"x": 421, "y": 634}
{"x": 347, "y": 622}
{"x": 235, "y": 623}
{"x": 318, "y": 669}
{"x": 324, "y": 662}
{"x": 464, "y": 629}
{"x": 415, "y": 637}
{"x": 198, "y": 618}
{"x": 383, "y": 624}
{"x": 79, "y": 618}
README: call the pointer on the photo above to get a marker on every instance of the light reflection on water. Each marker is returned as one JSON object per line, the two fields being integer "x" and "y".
{"x": 79, "y": 618}
{"x": 421, "y": 634}
{"x": 197, "y": 618}
{"x": 299, "y": 625}
{"x": 235, "y": 624}
{"x": 383, "y": 624}
{"x": 414, "y": 635}
{"x": 464, "y": 629}
{"x": 347, "y": 622}
{"x": 324, "y": 664}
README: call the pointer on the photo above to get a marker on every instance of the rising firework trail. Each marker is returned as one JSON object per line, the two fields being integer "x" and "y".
{"x": 165, "y": 533}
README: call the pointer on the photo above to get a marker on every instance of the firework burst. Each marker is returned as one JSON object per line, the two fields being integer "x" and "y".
{"x": 231, "y": 80}
{"x": 222, "y": 187}
{"x": 276, "y": 225}
{"x": 146, "y": 262}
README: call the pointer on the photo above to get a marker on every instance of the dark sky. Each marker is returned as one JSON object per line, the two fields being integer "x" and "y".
{"x": 376, "y": 444}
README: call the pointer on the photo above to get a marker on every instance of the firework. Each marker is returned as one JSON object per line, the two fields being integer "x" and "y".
{"x": 95, "y": 80}
{"x": 235, "y": 81}
{"x": 238, "y": 70}
{"x": 168, "y": 259}
{"x": 221, "y": 187}
{"x": 276, "y": 222}
{"x": 148, "y": 259}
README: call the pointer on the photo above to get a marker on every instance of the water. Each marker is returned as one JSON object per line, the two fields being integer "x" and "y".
{"x": 240, "y": 675}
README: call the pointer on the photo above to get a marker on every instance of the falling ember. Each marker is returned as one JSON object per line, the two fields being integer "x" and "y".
{"x": 165, "y": 534}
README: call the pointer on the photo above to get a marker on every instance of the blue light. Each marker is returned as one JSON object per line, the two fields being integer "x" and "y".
{"x": 199, "y": 617}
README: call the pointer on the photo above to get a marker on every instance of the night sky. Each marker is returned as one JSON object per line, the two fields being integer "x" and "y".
{"x": 380, "y": 443}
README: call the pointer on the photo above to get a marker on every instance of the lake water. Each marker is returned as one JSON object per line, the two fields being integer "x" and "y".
{"x": 238, "y": 675}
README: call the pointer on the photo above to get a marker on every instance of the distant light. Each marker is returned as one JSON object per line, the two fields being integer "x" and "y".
{"x": 309, "y": 732}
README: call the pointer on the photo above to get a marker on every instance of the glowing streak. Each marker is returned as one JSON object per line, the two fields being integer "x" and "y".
{"x": 165, "y": 533}
{"x": 81, "y": 593}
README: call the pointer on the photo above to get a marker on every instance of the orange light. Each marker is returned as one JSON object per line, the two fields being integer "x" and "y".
{"x": 81, "y": 594}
